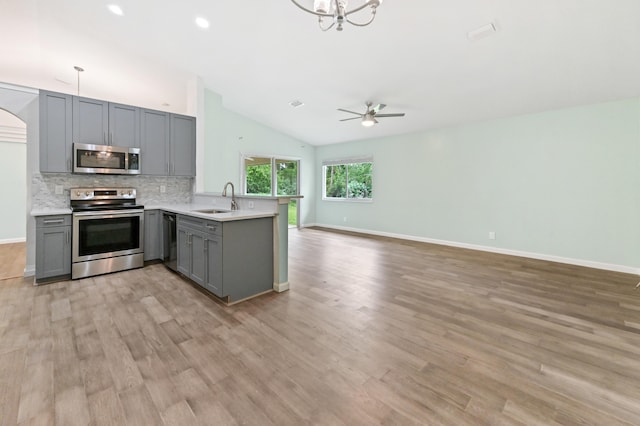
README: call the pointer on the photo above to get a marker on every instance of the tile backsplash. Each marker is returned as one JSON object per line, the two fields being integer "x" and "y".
{"x": 43, "y": 185}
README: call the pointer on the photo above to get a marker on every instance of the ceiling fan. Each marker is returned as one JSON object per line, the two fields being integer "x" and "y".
{"x": 369, "y": 117}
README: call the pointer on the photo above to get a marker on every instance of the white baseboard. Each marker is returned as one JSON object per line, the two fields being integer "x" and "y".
{"x": 30, "y": 270}
{"x": 539, "y": 256}
{"x": 280, "y": 287}
{"x": 13, "y": 240}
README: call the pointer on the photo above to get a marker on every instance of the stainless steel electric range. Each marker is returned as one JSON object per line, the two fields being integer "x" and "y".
{"x": 108, "y": 231}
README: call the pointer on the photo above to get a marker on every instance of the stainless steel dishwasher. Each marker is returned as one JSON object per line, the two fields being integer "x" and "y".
{"x": 169, "y": 241}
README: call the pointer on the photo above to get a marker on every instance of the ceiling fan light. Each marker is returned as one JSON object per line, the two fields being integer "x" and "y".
{"x": 368, "y": 121}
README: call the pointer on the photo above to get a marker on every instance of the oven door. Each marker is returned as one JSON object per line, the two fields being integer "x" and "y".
{"x": 105, "y": 234}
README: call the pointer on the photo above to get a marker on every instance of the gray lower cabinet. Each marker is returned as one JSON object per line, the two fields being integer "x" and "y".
{"x": 56, "y": 143}
{"x": 152, "y": 235}
{"x": 191, "y": 259}
{"x": 213, "y": 283}
{"x": 231, "y": 259}
{"x": 53, "y": 247}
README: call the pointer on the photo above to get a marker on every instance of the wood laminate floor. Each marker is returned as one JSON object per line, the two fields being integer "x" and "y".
{"x": 373, "y": 331}
{"x": 12, "y": 260}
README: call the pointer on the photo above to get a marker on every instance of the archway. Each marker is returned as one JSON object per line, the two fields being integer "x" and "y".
{"x": 13, "y": 191}
{"x": 22, "y": 102}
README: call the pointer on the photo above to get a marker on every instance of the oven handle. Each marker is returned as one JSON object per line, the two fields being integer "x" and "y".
{"x": 109, "y": 213}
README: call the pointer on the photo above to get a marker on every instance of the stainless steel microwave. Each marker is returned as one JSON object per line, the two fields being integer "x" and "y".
{"x": 105, "y": 159}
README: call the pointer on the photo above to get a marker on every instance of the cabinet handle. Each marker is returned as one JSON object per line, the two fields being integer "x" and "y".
{"x": 68, "y": 237}
{"x": 52, "y": 221}
{"x": 212, "y": 228}
{"x": 206, "y": 245}
{"x": 167, "y": 168}
{"x": 104, "y": 138}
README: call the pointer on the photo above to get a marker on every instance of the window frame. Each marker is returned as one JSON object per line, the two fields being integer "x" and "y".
{"x": 346, "y": 162}
{"x": 274, "y": 177}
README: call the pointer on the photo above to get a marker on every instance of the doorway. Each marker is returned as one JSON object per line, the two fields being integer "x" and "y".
{"x": 273, "y": 176}
{"x": 13, "y": 172}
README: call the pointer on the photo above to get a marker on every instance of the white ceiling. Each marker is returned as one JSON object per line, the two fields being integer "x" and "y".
{"x": 262, "y": 54}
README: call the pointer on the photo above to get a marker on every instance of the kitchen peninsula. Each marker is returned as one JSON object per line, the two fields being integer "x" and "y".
{"x": 234, "y": 254}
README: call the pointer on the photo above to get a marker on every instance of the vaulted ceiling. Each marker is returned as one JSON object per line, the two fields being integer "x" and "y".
{"x": 260, "y": 55}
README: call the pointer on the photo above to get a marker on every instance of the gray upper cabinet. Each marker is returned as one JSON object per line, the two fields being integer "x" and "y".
{"x": 168, "y": 143}
{"x": 154, "y": 142}
{"x": 183, "y": 145}
{"x": 105, "y": 123}
{"x": 90, "y": 121}
{"x": 124, "y": 125}
{"x": 56, "y": 143}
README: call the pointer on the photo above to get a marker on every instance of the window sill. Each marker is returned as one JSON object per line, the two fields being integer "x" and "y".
{"x": 348, "y": 200}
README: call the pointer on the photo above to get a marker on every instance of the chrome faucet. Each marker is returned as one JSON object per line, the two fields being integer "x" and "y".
{"x": 234, "y": 205}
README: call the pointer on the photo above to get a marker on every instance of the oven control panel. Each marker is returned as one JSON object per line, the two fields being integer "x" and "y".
{"x": 102, "y": 193}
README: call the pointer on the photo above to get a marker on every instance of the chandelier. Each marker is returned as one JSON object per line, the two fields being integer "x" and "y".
{"x": 337, "y": 11}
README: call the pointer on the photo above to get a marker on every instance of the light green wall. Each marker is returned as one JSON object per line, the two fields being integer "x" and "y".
{"x": 562, "y": 183}
{"x": 13, "y": 175}
{"x": 228, "y": 135}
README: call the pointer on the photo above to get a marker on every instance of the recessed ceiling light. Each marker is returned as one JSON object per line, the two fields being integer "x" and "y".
{"x": 296, "y": 103}
{"x": 115, "y": 9}
{"x": 202, "y": 23}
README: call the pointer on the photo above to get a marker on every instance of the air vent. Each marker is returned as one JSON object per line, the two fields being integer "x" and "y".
{"x": 482, "y": 32}
{"x": 296, "y": 103}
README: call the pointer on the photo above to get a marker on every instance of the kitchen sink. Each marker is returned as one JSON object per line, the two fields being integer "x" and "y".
{"x": 211, "y": 211}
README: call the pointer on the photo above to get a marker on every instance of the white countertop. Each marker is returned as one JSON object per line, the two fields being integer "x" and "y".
{"x": 190, "y": 209}
{"x": 50, "y": 211}
{"x": 186, "y": 209}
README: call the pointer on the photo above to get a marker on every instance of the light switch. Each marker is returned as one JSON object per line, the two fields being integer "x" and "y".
{"x": 59, "y": 189}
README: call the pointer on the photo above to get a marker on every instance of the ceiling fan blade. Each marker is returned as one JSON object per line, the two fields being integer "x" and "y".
{"x": 390, "y": 115}
{"x": 347, "y": 119}
{"x": 352, "y": 112}
{"x": 379, "y": 107}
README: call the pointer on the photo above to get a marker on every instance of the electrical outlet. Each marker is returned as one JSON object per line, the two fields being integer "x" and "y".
{"x": 59, "y": 190}
{"x": 492, "y": 235}
{"x": 163, "y": 189}
{"x": 250, "y": 204}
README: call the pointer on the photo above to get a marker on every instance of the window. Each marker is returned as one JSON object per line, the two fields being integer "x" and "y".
{"x": 272, "y": 176}
{"x": 258, "y": 176}
{"x": 348, "y": 179}
{"x": 261, "y": 172}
